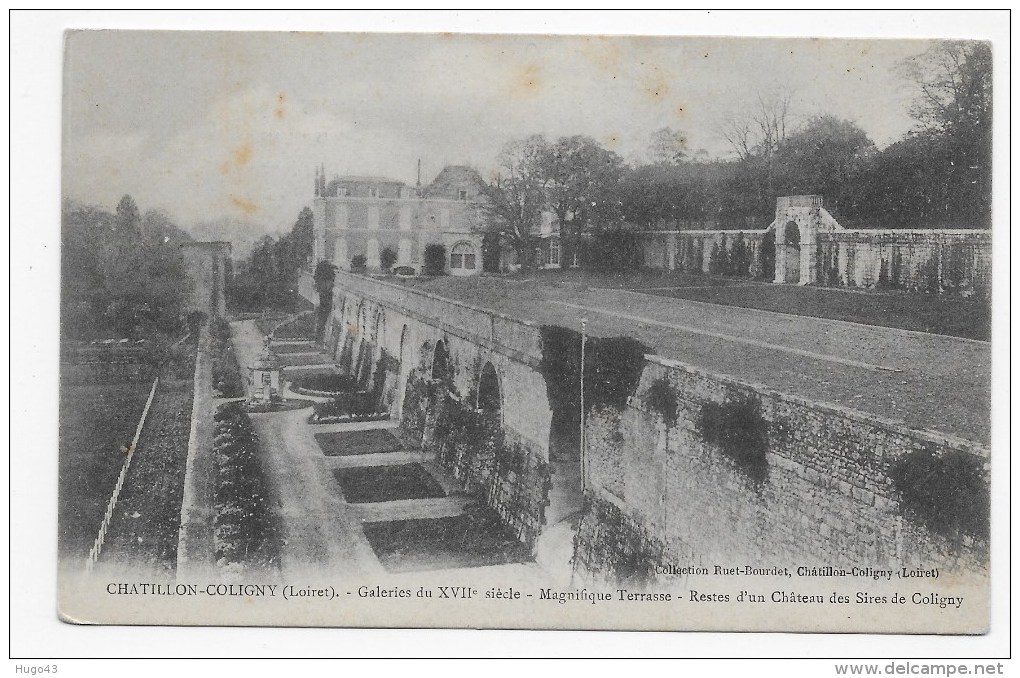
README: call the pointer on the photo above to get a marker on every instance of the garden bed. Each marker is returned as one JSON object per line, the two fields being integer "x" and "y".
{"x": 300, "y": 360}
{"x": 302, "y": 327}
{"x": 474, "y": 539}
{"x": 371, "y": 484}
{"x": 324, "y": 383}
{"x": 352, "y": 443}
{"x": 285, "y": 405}
{"x": 348, "y": 418}
{"x": 348, "y": 407}
{"x": 283, "y": 349}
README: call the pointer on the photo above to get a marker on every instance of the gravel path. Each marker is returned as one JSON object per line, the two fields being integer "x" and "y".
{"x": 321, "y": 535}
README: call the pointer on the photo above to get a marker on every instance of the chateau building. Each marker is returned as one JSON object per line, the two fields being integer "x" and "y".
{"x": 356, "y": 215}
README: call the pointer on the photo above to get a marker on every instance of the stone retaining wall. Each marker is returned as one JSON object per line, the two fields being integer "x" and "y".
{"x": 826, "y": 495}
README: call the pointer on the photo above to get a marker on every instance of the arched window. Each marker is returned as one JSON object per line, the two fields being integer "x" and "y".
{"x": 462, "y": 256}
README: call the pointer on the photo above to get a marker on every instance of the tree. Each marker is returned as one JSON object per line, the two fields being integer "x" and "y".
{"x": 387, "y": 258}
{"x": 823, "y": 157}
{"x": 667, "y": 146}
{"x": 953, "y": 109}
{"x": 516, "y": 197}
{"x": 324, "y": 277}
{"x": 119, "y": 278}
{"x": 582, "y": 180}
{"x": 435, "y": 259}
{"x": 755, "y": 133}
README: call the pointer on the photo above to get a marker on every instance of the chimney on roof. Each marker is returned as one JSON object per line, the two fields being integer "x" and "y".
{"x": 418, "y": 185}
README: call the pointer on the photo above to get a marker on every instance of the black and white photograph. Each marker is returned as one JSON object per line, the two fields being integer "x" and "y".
{"x": 527, "y": 331}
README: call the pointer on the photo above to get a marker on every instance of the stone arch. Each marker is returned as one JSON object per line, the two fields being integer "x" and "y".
{"x": 362, "y": 329}
{"x": 442, "y": 368}
{"x": 490, "y": 392}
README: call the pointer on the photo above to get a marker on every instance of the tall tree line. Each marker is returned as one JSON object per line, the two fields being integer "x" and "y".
{"x": 937, "y": 176}
{"x": 122, "y": 273}
{"x": 268, "y": 280}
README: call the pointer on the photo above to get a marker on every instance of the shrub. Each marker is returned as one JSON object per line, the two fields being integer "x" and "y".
{"x": 387, "y": 258}
{"x": 435, "y": 259}
{"x": 226, "y": 372}
{"x": 661, "y": 398}
{"x": 948, "y": 492}
{"x": 245, "y": 528}
{"x": 737, "y": 428}
{"x": 359, "y": 263}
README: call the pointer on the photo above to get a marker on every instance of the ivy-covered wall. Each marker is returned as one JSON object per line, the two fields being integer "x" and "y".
{"x": 747, "y": 475}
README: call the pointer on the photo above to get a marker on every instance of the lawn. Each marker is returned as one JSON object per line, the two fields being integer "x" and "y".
{"x": 473, "y": 539}
{"x": 955, "y": 316}
{"x": 951, "y": 315}
{"x": 95, "y": 421}
{"x": 347, "y": 443}
{"x": 369, "y": 484}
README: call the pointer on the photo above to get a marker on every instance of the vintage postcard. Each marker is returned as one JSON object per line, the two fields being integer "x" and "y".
{"x": 526, "y": 331}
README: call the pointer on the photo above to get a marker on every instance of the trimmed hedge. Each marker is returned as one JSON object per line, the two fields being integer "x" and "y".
{"x": 245, "y": 528}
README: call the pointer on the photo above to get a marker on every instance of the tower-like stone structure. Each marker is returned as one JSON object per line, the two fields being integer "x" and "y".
{"x": 206, "y": 265}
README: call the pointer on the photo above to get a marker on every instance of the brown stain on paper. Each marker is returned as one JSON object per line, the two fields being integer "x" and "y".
{"x": 239, "y": 157}
{"x": 529, "y": 81}
{"x": 246, "y": 207}
{"x": 281, "y": 106}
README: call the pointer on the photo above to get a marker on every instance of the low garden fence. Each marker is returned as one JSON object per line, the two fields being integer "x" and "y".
{"x": 111, "y": 505}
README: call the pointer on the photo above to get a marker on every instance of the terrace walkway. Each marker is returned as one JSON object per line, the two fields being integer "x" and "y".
{"x": 927, "y": 381}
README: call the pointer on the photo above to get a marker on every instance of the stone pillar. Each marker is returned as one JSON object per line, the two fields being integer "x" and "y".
{"x": 671, "y": 251}
{"x": 808, "y": 256}
{"x": 780, "y": 276}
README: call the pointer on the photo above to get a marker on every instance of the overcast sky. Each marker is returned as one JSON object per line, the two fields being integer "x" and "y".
{"x": 216, "y": 124}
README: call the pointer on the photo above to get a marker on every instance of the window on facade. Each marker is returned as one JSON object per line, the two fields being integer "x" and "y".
{"x": 462, "y": 256}
{"x": 373, "y": 192}
{"x": 554, "y": 252}
{"x": 462, "y": 194}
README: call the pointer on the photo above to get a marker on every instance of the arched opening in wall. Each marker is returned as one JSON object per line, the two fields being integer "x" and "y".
{"x": 791, "y": 241}
{"x": 405, "y": 351}
{"x": 360, "y": 356}
{"x": 490, "y": 398}
{"x": 336, "y": 325}
{"x": 441, "y": 370}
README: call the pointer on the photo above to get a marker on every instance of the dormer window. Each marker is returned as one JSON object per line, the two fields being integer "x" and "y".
{"x": 462, "y": 194}
{"x": 373, "y": 192}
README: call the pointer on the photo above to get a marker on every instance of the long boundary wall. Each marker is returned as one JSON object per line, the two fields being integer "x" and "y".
{"x": 806, "y": 245}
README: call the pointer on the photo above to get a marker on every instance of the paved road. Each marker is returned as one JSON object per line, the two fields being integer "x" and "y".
{"x": 927, "y": 381}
